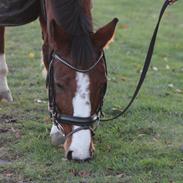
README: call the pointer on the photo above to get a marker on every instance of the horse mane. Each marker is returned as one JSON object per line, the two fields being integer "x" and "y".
{"x": 75, "y": 18}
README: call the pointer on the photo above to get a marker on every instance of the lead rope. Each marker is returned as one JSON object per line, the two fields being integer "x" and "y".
{"x": 147, "y": 61}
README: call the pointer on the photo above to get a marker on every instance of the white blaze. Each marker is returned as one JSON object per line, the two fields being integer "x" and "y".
{"x": 82, "y": 108}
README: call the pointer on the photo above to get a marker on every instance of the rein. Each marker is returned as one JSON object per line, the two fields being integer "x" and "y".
{"x": 147, "y": 61}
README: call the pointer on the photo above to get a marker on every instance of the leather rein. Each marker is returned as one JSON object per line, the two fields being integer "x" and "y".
{"x": 88, "y": 123}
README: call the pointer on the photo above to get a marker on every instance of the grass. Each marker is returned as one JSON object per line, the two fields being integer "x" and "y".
{"x": 141, "y": 147}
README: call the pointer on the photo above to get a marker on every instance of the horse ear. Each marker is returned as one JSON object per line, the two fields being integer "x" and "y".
{"x": 104, "y": 36}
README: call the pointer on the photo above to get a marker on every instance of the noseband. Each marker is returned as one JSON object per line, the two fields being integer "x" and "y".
{"x": 60, "y": 119}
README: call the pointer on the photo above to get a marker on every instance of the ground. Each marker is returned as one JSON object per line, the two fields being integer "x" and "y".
{"x": 143, "y": 146}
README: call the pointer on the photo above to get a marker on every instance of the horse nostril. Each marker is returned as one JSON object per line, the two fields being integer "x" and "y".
{"x": 69, "y": 155}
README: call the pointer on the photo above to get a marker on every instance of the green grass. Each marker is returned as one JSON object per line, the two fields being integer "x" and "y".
{"x": 142, "y": 146}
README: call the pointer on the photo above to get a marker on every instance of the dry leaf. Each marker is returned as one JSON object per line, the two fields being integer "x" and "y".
{"x": 154, "y": 68}
{"x": 9, "y": 174}
{"x": 123, "y": 78}
{"x": 123, "y": 26}
{"x": 40, "y": 101}
{"x": 31, "y": 55}
{"x": 167, "y": 67}
{"x": 165, "y": 59}
{"x": 17, "y": 135}
{"x": 170, "y": 85}
{"x": 179, "y": 91}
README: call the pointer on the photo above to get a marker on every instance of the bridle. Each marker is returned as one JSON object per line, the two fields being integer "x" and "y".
{"x": 88, "y": 123}
{"x": 59, "y": 119}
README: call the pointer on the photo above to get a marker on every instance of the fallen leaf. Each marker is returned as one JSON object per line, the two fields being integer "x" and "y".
{"x": 141, "y": 135}
{"x": 154, "y": 68}
{"x": 116, "y": 110}
{"x": 39, "y": 101}
{"x": 13, "y": 130}
{"x": 120, "y": 175}
{"x": 17, "y": 135}
{"x": 170, "y": 85}
{"x": 9, "y": 174}
{"x": 165, "y": 59}
{"x": 179, "y": 91}
{"x": 167, "y": 67}
{"x": 123, "y": 78}
{"x": 113, "y": 79}
{"x": 124, "y": 26}
{"x": 84, "y": 174}
{"x": 31, "y": 55}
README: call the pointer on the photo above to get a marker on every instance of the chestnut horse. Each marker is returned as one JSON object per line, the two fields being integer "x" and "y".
{"x": 76, "y": 94}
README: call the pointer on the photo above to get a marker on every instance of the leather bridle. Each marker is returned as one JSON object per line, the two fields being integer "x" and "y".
{"x": 59, "y": 119}
{"x": 88, "y": 123}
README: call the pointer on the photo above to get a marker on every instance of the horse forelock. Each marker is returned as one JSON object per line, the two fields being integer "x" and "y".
{"x": 74, "y": 17}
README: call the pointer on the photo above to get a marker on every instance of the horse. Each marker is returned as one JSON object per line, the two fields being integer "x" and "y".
{"x": 73, "y": 55}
